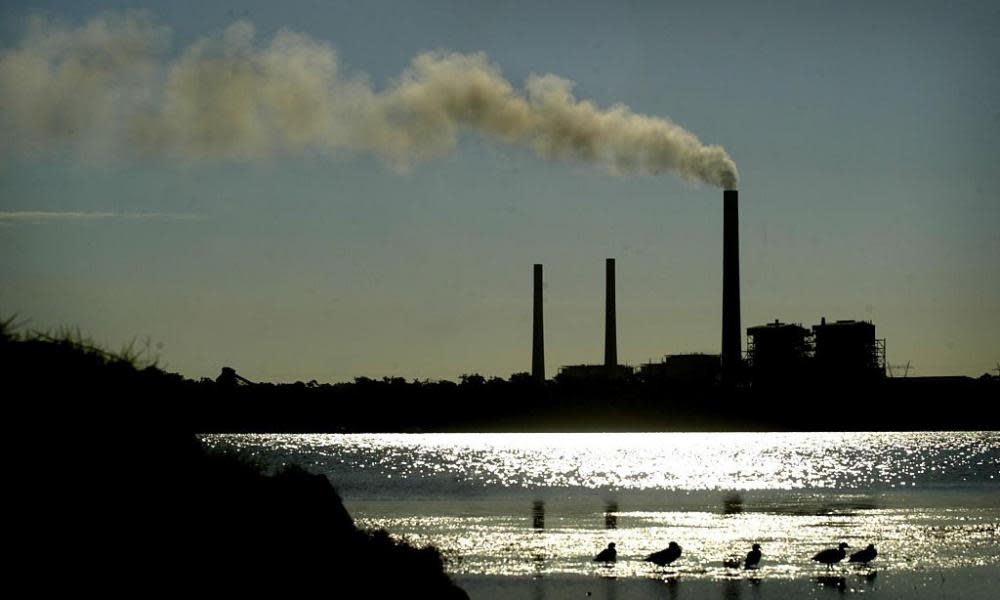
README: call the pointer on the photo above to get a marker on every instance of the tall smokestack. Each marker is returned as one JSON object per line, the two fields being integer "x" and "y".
{"x": 610, "y": 337}
{"x": 538, "y": 337}
{"x": 731, "y": 340}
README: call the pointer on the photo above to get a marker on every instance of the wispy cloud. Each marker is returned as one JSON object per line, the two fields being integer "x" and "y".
{"x": 35, "y": 216}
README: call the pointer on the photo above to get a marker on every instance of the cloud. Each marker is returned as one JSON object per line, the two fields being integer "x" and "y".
{"x": 43, "y": 216}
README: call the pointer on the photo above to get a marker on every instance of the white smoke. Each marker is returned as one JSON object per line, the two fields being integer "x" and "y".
{"x": 108, "y": 87}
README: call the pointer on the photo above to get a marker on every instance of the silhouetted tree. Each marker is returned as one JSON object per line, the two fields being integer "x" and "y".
{"x": 473, "y": 379}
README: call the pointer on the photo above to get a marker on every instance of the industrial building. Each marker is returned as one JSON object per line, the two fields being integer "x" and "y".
{"x": 778, "y": 350}
{"x": 593, "y": 372}
{"x": 683, "y": 369}
{"x": 842, "y": 349}
{"x": 848, "y": 347}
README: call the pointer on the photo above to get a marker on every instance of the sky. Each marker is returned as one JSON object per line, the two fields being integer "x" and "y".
{"x": 866, "y": 136}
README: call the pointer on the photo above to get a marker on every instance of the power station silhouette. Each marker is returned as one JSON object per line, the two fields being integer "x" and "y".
{"x": 775, "y": 351}
{"x": 787, "y": 375}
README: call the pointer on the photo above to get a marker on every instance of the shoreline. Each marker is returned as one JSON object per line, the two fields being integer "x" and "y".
{"x": 231, "y": 404}
{"x": 968, "y": 583}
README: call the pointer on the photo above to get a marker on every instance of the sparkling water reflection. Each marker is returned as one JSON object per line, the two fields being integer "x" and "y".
{"x": 534, "y": 504}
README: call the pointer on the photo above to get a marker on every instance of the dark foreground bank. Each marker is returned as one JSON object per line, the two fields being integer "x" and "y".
{"x": 112, "y": 495}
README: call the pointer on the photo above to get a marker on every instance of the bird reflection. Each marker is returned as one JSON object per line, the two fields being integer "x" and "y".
{"x": 611, "y": 515}
{"x": 610, "y": 588}
{"x": 732, "y": 504}
{"x": 732, "y": 589}
{"x": 537, "y": 558}
{"x": 538, "y": 515}
{"x": 538, "y": 589}
{"x": 673, "y": 587}
{"x": 833, "y": 581}
{"x": 538, "y": 562}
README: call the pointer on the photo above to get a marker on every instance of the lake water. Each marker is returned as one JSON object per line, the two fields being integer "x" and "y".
{"x": 542, "y": 505}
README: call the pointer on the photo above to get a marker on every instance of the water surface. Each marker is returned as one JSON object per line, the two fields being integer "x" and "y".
{"x": 545, "y": 504}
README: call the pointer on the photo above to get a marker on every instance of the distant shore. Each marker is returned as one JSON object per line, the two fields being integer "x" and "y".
{"x": 522, "y": 405}
{"x": 232, "y": 404}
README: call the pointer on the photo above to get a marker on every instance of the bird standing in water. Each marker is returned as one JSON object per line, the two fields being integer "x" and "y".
{"x": 864, "y": 556}
{"x": 832, "y": 556}
{"x": 751, "y": 561}
{"x": 666, "y": 556}
{"x": 608, "y": 555}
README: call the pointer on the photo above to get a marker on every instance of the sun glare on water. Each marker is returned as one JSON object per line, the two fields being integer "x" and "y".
{"x": 536, "y": 504}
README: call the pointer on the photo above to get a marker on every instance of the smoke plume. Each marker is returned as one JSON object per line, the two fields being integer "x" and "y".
{"x": 109, "y": 88}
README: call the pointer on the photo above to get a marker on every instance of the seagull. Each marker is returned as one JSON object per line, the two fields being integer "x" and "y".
{"x": 607, "y": 555}
{"x": 752, "y": 559}
{"x": 864, "y": 556}
{"x": 666, "y": 556}
{"x": 831, "y": 556}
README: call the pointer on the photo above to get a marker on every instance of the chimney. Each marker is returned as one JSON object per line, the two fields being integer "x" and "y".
{"x": 610, "y": 337}
{"x": 538, "y": 338}
{"x": 731, "y": 339}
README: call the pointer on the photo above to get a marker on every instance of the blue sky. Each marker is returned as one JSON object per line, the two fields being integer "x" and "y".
{"x": 866, "y": 135}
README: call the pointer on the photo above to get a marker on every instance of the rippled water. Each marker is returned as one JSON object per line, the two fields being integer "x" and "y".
{"x": 519, "y": 504}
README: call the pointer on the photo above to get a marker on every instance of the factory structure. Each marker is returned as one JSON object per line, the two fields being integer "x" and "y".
{"x": 835, "y": 350}
{"x": 775, "y": 351}
{"x": 610, "y": 369}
